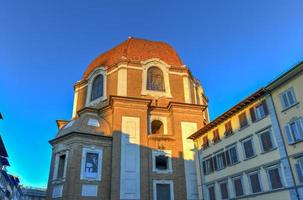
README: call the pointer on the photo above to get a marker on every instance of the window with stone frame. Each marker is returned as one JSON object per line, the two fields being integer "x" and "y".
{"x": 97, "y": 87}
{"x": 254, "y": 182}
{"x": 294, "y": 130}
{"x": 248, "y": 147}
{"x": 155, "y": 79}
{"x": 266, "y": 141}
{"x": 208, "y": 166}
{"x": 216, "y": 136}
{"x": 157, "y": 127}
{"x": 162, "y": 161}
{"x": 224, "y": 190}
{"x": 238, "y": 186}
{"x": 91, "y": 164}
{"x": 275, "y": 177}
{"x": 259, "y": 111}
{"x": 243, "y": 120}
{"x": 60, "y": 166}
{"x": 211, "y": 192}
{"x": 228, "y": 128}
{"x": 231, "y": 153}
{"x": 288, "y": 98}
{"x": 205, "y": 143}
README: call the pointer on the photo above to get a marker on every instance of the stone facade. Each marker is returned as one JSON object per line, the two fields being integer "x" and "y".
{"x": 127, "y": 138}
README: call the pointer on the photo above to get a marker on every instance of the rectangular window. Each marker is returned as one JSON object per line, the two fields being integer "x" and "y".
{"x": 288, "y": 98}
{"x": 216, "y": 136}
{"x": 211, "y": 192}
{"x": 163, "y": 190}
{"x": 254, "y": 180}
{"x": 224, "y": 190}
{"x": 228, "y": 128}
{"x": 221, "y": 161}
{"x": 205, "y": 142}
{"x": 248, "y": 148}
{"x": 259, "y": 112}
{"x": 274, "y": 176}
{"x": 61, "y": 166}
{"x": 238, "y": 186}
{"x": 266, "y": 141}
{"x": 162, "y": 161}
{"x": 243, "y": 120}
{"x": 91, "y": 164}
{"x": 294, "y": 131}
{"x": 232, "y": 155}
{"x": 208, "y": 166}
{"x": 299, "y": 168}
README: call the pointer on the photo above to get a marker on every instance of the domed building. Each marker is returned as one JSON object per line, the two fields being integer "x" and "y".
{"x": 134, "y": 109}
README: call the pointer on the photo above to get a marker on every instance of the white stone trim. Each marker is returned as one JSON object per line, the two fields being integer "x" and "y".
{"x": 162, "y": 152}
{"x": 169, "y": 182}
{"x": 187, "y": 90}
{"x": 89, "y": 190}
{"x": 122, "y": 82}
{"x": 165, "y": 70}
{"x": 75, "y": 103}
{"x": 189, "y": 128}
{"x": 91, "y": 77}
{"x": 57, "y": 191}
{"x": 86, "y": 150}
{"x": 160, "y": 118}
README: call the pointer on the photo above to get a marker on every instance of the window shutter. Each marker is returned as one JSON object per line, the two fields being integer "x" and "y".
{"x": 300, "y": 129}
{"x": 227, "y": 158}
{"x": 299, "y": 171}
{"x": 282, "y": 101}
{"x": 288, "y": 134}
{"x": 215, "y": 163}
{"x": 204, "y": 167}
{"x": 252, "y": 114}
{"x": 265, "y": 107}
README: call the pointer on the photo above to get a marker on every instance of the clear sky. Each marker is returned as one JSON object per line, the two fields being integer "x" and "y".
{"x": 232, "y": 47}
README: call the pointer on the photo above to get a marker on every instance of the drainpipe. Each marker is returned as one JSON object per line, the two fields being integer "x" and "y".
{"x": 284, "y": 146}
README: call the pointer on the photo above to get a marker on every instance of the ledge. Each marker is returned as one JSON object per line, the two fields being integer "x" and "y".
{"x": 161, "y": 137}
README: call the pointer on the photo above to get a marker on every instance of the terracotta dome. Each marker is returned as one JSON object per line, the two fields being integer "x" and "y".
{"x": 134, "y": 49}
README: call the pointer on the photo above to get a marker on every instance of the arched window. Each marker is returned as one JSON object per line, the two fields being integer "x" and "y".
{"x": 157, "y": 127}
{"x": 97, "y": 87}
{"x": 155, "y": 80}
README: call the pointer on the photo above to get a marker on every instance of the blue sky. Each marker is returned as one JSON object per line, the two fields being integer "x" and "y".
{"x": 232, "y": 47}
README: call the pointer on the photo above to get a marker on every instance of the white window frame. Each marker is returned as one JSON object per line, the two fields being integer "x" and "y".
{"x": 280, "y": 174}
{"x": 91, "y": 78}
{"x": 292, "y": 92}
{"x": 234, "y": 188}
{"x": 208, "y": 186}
{"x": 217, "y": 160}
{"x": 260, "y": 181}
{"x": 86, "y": 150}
{"x": 56, "y": 166}
{"x": 165, "y": 70}
{"x": 169, "y": 160}
{"x": 227, "y": 187}
{"x": 253, "y": 146}
{"x": 289, "y": 133}
{"x": 259, "y": 115}
{"x": 169, "y": 182}
{"x": 228, "y": 149}
{"x": 271, "y": 138}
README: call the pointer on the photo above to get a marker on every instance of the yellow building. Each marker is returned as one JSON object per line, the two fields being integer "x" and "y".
{"x": 287, "y": 95}
{"x": 245, "y": 153}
